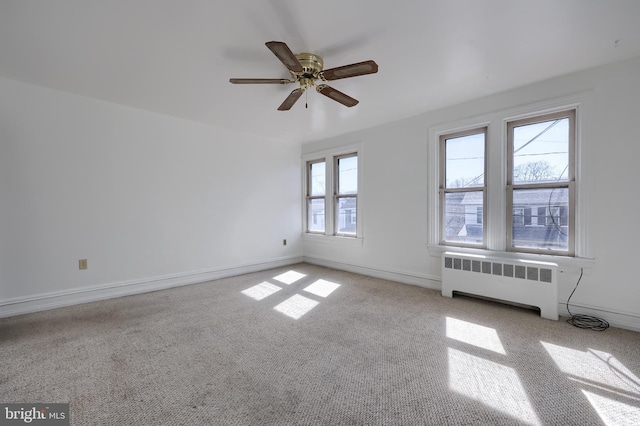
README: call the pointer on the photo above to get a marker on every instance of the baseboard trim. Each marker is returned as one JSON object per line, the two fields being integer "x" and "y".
{"x": 411, "y": 278}
{"x": 75, "y": 296}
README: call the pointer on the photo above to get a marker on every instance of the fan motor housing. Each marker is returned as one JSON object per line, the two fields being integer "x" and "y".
{"x": 311, "y": 64}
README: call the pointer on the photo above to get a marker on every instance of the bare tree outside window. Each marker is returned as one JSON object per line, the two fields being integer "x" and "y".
{"x": 537, "y": 171}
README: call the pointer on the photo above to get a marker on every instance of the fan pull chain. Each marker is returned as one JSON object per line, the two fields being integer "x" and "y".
{"x": 306, "y": 98}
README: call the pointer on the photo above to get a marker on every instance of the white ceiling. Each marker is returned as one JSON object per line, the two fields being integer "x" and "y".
{"x": 175, "y": 57}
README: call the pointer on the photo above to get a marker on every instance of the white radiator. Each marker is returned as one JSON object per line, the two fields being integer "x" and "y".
{"x": 525, "y": 282}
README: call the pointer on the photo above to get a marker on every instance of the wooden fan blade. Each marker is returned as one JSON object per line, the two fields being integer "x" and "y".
{"x": 353, "y": 70}
{"x": 291, "y": 99}
{"x": 260, "y": 81}
{"x": 336, "y": 95}
{"x": 286, "y": 56}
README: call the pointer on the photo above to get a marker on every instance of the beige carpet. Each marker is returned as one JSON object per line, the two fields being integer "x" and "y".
{"x": 331, "y": 348}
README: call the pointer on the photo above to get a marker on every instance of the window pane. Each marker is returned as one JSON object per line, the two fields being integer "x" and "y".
{"x": 461, "y": 217}
{"x": 346, "y": 212}
{"x": 541, "y": 152}
{"x": 464, "y": 161}
{"x": 348, "y": 175}
{"x": 540, "y": 218}
{"x": 317, "y": 177}
{"x": 315, "y": 211}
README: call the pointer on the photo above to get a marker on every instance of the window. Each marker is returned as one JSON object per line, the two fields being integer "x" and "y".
{"x": 518, "y": 216}
{"x": 346, "y": 194}
{"x": 540, "y": 179}
{"x": 316, "y": 192}
{"x": 332, "y": 195}
{"x": 512, "y": 181}
{"x": 462, "y": 187}
{"x": 553, "y": 217}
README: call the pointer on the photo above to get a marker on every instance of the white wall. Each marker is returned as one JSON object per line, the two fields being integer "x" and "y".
{"x": 395, "y": 181}
{"x": 142, "y": 196}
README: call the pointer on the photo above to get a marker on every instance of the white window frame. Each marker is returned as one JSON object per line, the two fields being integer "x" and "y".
{"x": 495, "y": 216}
{"x": 569, "y": 184}
{"x": 330, "y": 157}
{"x": 337, "y": 196}
{"x": 309, "y": 197}
{"x": 444, "y": 190}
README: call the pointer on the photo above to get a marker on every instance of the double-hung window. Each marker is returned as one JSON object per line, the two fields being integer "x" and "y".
{"x": 346, "y": 194}
{"x": 509, "y": 184}
{"x": 462, "y": 187}
{"x": 332, "y": 195}
{"x": 541, "y": 183}
{"x": 316, "y": 194}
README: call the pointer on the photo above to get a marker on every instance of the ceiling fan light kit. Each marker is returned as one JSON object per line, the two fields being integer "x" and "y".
{"x": 306, "y": 70}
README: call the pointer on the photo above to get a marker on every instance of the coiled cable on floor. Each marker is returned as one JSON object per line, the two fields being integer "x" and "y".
{"x": 588, "y": 322}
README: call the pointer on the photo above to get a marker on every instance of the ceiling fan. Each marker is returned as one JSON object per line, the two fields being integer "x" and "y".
{"x": 306, "y": 69}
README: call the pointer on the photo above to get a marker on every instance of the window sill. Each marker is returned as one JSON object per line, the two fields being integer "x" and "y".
{"x": 436, "y": 250}
{"x": 332, "y": 239}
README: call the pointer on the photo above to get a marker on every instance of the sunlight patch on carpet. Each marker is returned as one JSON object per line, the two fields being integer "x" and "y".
{"x": 613, "y": 412}
{"x": 490, "y": 383}
{"x": 322, "y": 288}
{"x": 289, "y": 277}
{"x": 262, "y": 290}
{"x": 296, "y": 306}
{"x": 474, "y": 334}
{"x": 595, "y": 367}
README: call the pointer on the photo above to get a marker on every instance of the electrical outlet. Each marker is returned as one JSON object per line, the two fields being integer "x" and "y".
{"x": 284, "y": 242}
{"x": 82, "y": 264}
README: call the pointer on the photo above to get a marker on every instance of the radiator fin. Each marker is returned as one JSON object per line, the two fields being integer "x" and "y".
{"x": 508, "y": 270}
{"x": 497, "y": 269}
{"x": 545, "y": 275}
{"x": 466, "y": 264}
{"x": 448, "y": 262}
